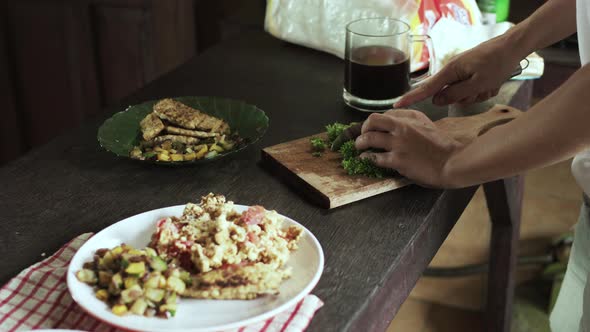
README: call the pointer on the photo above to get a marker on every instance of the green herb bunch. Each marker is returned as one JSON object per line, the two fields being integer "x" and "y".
{"x": 352, "y": 163}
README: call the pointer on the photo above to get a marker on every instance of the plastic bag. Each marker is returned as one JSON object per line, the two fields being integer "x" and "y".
{"x": 321, "y": 24}
{"x": 465, "y": 12}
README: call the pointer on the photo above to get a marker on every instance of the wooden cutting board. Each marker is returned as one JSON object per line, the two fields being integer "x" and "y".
{"x": 325, "y": 182}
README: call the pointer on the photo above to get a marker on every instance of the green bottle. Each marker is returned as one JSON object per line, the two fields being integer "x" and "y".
{"x": 494, "y": 10}
{"x": 488, "y": 11}
{"x": 502, "y": 8}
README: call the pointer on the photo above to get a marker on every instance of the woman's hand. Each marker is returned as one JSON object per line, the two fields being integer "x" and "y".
{"x": 411, "y": 144}
{"x": 472, "y": 76}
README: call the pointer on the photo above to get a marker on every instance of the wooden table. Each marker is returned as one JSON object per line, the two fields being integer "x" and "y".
{"x": 375, "y": 249}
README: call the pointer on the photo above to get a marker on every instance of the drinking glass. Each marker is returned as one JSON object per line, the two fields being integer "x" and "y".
{"x": 377, "y": 63}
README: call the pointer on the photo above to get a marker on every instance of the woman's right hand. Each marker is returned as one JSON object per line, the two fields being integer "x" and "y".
{"x": 472, "y": 76}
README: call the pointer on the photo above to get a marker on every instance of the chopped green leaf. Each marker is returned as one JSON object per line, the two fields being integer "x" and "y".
{"x": 354, "y": 165}
{"x": 334, "y": 130}
{"x": 316, "y": 154}
{"x": 318, "y": 144}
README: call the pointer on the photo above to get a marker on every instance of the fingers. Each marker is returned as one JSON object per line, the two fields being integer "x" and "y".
{"x": 454, "y": 93}
{"x": 374, "y": 140}
{"x": 383, "y": 159}
{"x": 431, "y": 86}
{"x": 406, "y": 113}
{"x": 379, "y": 122}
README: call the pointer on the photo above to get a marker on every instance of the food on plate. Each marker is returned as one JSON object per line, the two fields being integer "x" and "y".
{"x": 134, "y": 281}
{"x": 175, "y": 132}
{"x": 249, "y": 250}
{"x": 187, "y": 117}
{"x": 151, "y": 126}
{"x": 176, "y": 139}
{"x": 240, "y": 282}
{"x": 209, "y": 252}
{"x": 192, "y": 133}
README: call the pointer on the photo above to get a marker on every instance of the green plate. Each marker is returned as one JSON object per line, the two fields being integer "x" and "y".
{"x": 121, "y": 132}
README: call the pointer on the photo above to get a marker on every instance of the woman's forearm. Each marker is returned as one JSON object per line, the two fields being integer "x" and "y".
{"x": 553, "y": 130}
{"x": 552, "y": 22}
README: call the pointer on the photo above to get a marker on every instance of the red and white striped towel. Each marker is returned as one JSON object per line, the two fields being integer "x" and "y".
{"x": 38, "y": 298}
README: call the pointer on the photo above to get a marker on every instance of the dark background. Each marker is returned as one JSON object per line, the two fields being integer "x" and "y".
{"x": 62, "y": 61}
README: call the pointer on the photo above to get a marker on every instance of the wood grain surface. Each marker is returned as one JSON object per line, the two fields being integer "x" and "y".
{"x": 324, "y": 180}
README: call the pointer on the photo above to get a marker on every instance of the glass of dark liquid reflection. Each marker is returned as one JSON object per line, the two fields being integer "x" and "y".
{"x": 377, "y": 63}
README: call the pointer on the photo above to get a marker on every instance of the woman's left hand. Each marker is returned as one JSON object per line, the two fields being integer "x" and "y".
{"x": 411, "y": 144}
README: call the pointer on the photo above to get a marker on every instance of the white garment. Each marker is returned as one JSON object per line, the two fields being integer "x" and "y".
{"x": 572, "y": 309}
{"x": 570, "y": 306}
{"x": 581, "y": 163}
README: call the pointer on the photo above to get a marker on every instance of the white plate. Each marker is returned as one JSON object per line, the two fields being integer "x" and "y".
{"x": 193, "y": 314}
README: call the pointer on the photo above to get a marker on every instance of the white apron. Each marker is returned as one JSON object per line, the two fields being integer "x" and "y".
{"x": 572, "y": 309}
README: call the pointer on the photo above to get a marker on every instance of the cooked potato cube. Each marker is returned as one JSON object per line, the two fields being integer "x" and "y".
{"x": 201, "y": 151}
{"x": 139, "y": 307}
{"x": 177, "y": 157}
{"x": 87, "y": 276}
{"x": 175, "y": 284}
{"x": 158, "y": 264}
{"x": 119, "y": 309}
{"x": 155, "y": 280}
{"x": 117, "y": 251}
{"x": 137, "y": 268}
{"x": 102, "y": 294}
{"x": 226, "y": 145}
{"x": 131, "y": 294}
{"x": 107, "y": 262}
{"x": 216, "y": 147}
{"x": 190, "y": 156}
{"x": 150, "y": 252}
{"x": 163, "y": 157}
{"x": 155, "y": 295}
{"x": 130, "y": 282}
{"x": 116, "y": 284}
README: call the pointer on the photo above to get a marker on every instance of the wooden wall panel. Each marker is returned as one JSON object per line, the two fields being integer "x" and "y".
{"x": 81, "y": 55}
{"x": 10, "y": 126}
{"x": 138, "y": 41}
{"x": 174, "y": 33}
{"x": 125, "y": 50}
{"x": 38, "y": 40}
{"x": 62, "y": 61}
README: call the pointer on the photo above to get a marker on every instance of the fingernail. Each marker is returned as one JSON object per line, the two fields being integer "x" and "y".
{"x": 357, "y": 143}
